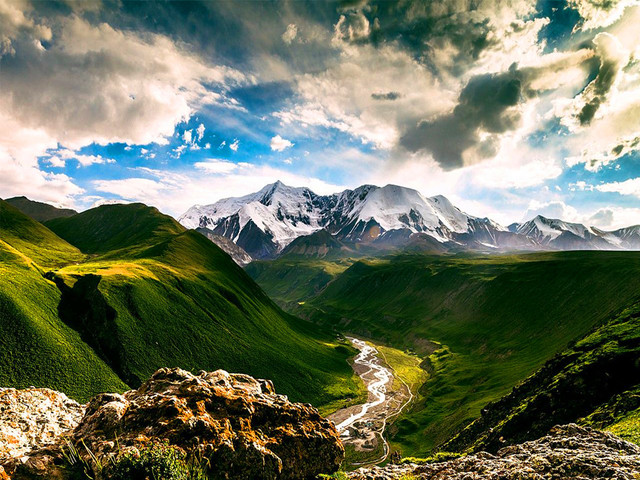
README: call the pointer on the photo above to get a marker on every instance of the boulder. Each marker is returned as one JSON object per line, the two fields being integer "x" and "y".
{"x": 33, "y": 418}
{"x": 235, "y": 423}
{"x": 567, "y": 452}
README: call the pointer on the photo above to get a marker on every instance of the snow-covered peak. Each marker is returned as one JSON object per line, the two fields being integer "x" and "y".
{"x": 547, "y": 229}
{"x": 283, "y": 213}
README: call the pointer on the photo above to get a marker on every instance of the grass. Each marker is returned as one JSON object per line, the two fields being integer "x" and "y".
{"x": 480, "y": 324}
{"x": 291, "y": 281}
{"x": 597, "y": 377}
{"x": 136, "y": 292}
{"x": 406, "y": 366}
{"x": 628, "y": 427}
{"x": 36, "y": 347}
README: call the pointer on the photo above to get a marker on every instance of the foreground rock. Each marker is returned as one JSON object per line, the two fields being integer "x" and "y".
{"x": 238, "y": 424}
{"x": 32, "y": 418}
{"x": 567, "y": 452}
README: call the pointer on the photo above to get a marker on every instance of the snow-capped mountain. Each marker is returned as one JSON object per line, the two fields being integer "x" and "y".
{"x": 560, "y": 235}
{"x": 265, "y": 222}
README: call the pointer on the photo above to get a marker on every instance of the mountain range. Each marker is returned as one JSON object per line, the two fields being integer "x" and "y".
{"x": 272, "y": 222}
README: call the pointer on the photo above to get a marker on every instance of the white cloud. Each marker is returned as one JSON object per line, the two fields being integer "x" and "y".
{"x": 279, "y": 144}
{"x": 628, "y": 187}
{"x": 234, "y": 146}
{"x": 343, "y": 97}
{"x": 127, "y": 87}
{"x": 214, "y": 165}
{"x": 581, "y": 186}
{"x": 186, "y": 136}
{"x": 598, "y": 14}
{"x": 552, "y": 209}
{"x": 606, "y": 218}
{"x": 614, "y": 217}
{"x": 290, "y": 33}
{"x": 59, "y": 157}
{"x": 200, "y": 132}
{"x": 174, "y": 192}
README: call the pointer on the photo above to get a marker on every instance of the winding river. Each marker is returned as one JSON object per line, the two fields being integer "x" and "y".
{"x": 363, "y": 425}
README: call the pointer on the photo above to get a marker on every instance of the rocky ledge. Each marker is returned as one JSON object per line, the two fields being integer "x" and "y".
{"x": 567, "y": 452}
{"x": 237, "y": 424}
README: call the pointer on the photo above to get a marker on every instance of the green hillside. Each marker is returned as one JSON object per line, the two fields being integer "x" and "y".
{"x": 151, "y": 294}
{"x": 289, "y": 281}
{"x": 36, "y": 347}
{"x": 598, "y": 378}
{"x": 109, "y": 229}
{"x": 481, "y": 323}
{"x": 32, "y": 239}
{"x": 39, "y": 211}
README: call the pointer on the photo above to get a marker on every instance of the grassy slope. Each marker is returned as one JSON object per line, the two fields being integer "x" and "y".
{"x": 170, "y": 297}
{"x": 483, "y": 323}
{"x": 37, "y": 210}
{"x": 34, "y": 240}
{"x": 36, "y": 347}
{"x": 289, "y": 281}
{"x": 597, "y": 377}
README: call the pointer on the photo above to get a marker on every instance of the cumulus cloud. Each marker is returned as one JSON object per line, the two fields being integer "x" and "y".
{"x": 175, "y": 192}
{"x": 235, "y": 145}
{"x": 200, "y": 132}
{"x": 627, "y": 187}
{"x": 279, "y": 144}
{"x": 60, "y": 156}
{"x": 290, "y": 33}
{"x": 127, "y": 87}
{"x": 488, "y": 106}
{"x": 599, "y": 13}
{"x": 612, "y": 58}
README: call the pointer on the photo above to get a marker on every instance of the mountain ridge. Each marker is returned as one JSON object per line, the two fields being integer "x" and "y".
{"x": 264, "y": 223}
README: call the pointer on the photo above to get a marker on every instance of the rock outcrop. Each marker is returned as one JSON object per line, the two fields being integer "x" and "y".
{"x": 238, "y": 424}
{"x": 567, "y": 452}
{"x": 34, "y": 417}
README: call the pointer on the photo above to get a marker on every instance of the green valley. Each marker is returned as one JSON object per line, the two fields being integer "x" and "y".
{"x": 98, "y": 301}
{"x": 481, "y": 323}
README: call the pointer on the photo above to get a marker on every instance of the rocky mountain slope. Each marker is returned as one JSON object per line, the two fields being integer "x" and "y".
{"x": 566, "y": 452}
{"x": 559, "y": 235}
{"x": 266, "y": 222}
{"x": 239, "y": 256}
{"x": 225, "y": 426}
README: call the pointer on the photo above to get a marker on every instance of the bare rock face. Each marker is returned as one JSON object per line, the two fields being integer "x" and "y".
{"x": 32, "y": 418}
{"x": 567, "y": 452}
{"x": 237, "y": 423}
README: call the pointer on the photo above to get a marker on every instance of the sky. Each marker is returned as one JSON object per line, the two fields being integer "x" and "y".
{"x": 509, "y": 108}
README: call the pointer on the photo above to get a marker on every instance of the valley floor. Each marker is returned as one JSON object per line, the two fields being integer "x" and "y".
{"x": 362, "y": 426}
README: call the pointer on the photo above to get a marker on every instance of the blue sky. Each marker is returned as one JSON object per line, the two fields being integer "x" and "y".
{"x": 509, "y": 108}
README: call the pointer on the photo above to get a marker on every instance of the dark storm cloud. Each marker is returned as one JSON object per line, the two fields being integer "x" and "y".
{"x": 386, "y": 96}
{"x": 611, "y": 63}
{"x": 486, "y": 104}
{"x": 487, "y": 107}
{"x": 421, "y": 27}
